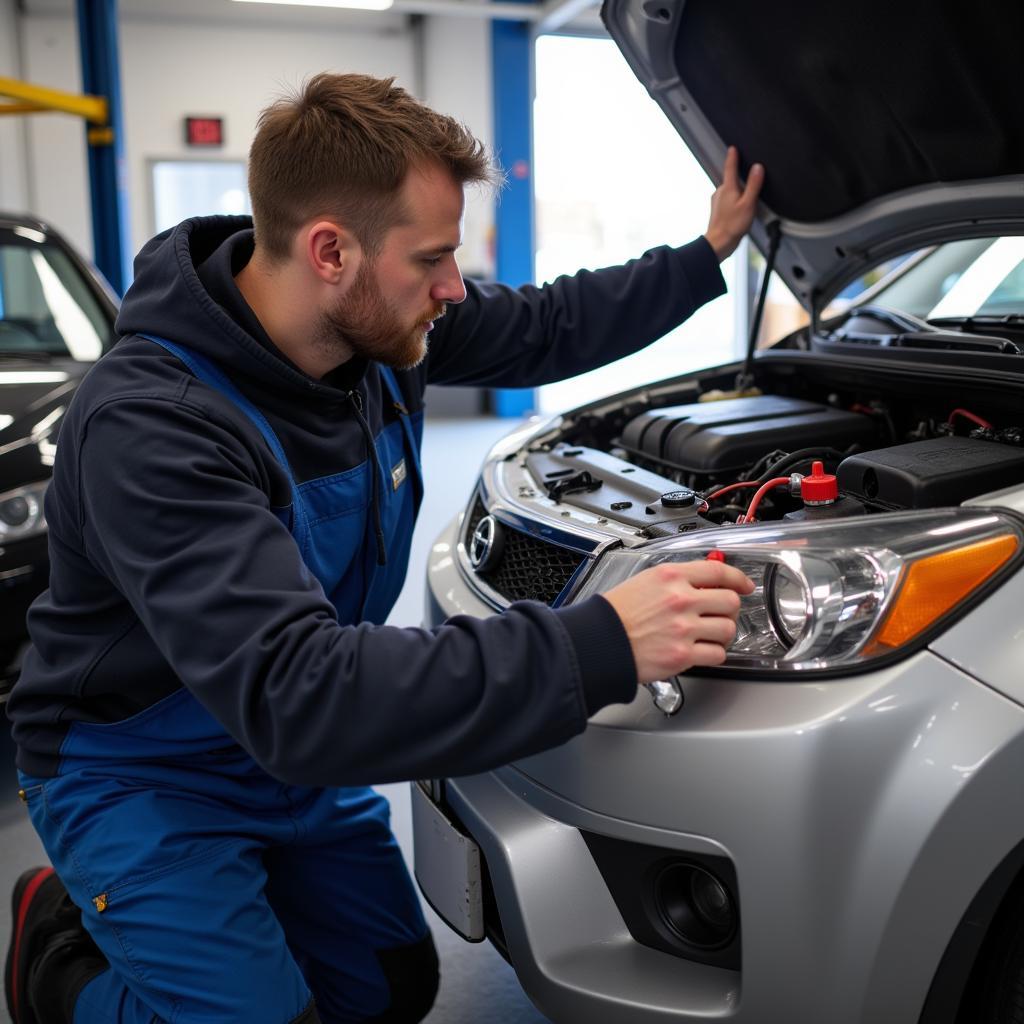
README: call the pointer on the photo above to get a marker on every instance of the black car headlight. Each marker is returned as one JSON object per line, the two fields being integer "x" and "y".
{"x": 839, "y": 595}
{"x": 21, "y": 512}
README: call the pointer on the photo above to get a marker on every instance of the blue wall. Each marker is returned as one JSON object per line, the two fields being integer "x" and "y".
{"x": 512, "y": 62}
{"x": 101, "y": 76}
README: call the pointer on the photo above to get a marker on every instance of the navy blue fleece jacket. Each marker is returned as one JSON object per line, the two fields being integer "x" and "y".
{"x": 169, "y": 569}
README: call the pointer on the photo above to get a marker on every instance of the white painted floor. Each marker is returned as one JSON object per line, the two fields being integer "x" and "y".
{"x": 477, "y": 986}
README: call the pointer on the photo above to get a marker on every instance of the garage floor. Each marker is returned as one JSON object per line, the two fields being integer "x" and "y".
{"x": 476, "y": 984}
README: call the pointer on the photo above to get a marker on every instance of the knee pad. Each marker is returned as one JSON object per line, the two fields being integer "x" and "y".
{"x": 412, "y": 974}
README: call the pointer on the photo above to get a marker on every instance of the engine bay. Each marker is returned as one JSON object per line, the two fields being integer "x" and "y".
{"x": 661, "y": 465}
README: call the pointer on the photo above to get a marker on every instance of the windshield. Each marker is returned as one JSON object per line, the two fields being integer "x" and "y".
{"x": 980, "y": 277}
{"x": 46, "y": 306}
{"x": 952, "y": 283}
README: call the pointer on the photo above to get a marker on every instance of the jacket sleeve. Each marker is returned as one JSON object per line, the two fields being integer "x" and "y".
{"x": 181, "y": 524}
{"x": 523, "y": 337}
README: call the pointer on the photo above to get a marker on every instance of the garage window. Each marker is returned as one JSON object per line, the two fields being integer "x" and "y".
{"x": 193, "y": 188}
{"x": 613, "y": 179}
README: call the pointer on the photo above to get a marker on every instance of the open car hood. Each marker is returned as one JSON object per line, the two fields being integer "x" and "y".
{"x": 883, "y": 127}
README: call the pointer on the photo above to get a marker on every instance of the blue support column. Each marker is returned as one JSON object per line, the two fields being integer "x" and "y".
{"x": 97, "y": 38}
{"x": 512, "y": 80}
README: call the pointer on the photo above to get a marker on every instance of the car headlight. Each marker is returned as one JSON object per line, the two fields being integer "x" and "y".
{"x": 21, "y": 512}
{"x": 841, "y": 595}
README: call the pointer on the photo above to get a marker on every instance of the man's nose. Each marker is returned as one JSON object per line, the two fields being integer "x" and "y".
{"x": 449, "y": 287}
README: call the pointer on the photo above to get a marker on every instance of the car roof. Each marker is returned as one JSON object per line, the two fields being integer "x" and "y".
{"x": 23, "y": 220}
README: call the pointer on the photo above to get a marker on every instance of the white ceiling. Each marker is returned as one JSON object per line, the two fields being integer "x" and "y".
{"x": 221, "y": 12}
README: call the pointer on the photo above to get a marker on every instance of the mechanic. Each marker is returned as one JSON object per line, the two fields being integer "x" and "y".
{"x": 230, "y": 521}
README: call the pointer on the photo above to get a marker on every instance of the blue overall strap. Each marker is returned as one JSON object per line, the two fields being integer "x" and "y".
{"x": 210, "y": 373}
{"x": 403, "y": 415}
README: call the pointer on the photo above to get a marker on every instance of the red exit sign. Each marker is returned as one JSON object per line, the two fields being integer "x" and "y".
{"x": 204, "y": 131}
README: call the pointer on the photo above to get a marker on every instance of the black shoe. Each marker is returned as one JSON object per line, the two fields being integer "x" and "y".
{"x": 46, "y": 933}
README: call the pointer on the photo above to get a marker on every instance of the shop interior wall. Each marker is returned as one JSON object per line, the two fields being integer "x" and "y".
{"x": 13, "y": 192}
{"x": 457, "y": 80}
{"x": 175, "y": 67}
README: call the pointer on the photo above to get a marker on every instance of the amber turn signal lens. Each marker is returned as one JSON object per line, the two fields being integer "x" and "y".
{"x": 934, "y": 585}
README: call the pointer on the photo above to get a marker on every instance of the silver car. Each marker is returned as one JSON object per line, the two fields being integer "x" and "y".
{"x": 829, "y": 828}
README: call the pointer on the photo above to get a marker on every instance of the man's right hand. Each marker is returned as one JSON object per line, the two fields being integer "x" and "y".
{"x": 679, "y": 615}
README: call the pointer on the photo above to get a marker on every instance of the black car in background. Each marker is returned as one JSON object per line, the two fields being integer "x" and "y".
{"x": 56, "y": 319}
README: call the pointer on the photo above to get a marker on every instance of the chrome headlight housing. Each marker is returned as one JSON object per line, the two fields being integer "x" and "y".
{"x": 21, "y": 512}
{"x": 837, "y": 595}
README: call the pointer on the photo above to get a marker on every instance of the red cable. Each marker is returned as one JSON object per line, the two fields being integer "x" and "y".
{"x": 967, "y": 415}
{"x": 730, "y": 488}
{"x": 26, "y": 899}
{"x": 761, "y": 492}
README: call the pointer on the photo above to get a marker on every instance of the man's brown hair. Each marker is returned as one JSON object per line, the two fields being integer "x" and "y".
{"x": 342, "y": 147}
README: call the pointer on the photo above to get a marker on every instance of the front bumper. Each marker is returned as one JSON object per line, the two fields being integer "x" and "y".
{"x": 857, "y": 813}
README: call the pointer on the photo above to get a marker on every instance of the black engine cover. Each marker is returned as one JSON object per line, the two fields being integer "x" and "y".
{"x": 728, "y": 436}
{"x": 928, "y": 474}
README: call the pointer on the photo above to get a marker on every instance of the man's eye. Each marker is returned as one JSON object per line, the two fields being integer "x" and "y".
{"x": 432, "y": 261}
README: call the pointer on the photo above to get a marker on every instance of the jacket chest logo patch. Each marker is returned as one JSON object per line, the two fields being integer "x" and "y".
{"x": 398, "y": 475}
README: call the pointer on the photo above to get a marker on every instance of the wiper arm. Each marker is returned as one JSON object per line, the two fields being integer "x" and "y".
{"x": 961, "y": 342}
{"x": 981, "y": 319}
{"x": 911, "y": 332}
{"x": 935, "y": 340}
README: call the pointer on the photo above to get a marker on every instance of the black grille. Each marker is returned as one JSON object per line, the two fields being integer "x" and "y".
{"x": 530, "y": 569}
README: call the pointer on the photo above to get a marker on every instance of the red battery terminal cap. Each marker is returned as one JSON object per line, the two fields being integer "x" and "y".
{"x": 819, "y": 488}
{"x": 715, "y": 556}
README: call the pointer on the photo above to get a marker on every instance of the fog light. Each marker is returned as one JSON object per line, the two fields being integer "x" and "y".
{"x": 695, "y": 906}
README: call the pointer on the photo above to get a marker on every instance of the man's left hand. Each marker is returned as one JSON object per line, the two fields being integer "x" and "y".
{"x": 732, "y": 207}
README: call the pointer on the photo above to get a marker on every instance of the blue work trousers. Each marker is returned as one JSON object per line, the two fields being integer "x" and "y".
{"x": 219, "y": 894}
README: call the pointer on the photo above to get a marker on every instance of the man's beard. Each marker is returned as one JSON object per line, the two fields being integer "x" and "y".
{"x": 363, "y": 324}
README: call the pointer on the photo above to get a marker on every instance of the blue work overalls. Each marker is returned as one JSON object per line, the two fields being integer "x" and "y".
{"x": 217, "y": 893}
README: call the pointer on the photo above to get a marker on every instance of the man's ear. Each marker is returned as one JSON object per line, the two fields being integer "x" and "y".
{"x": 330, "y": 250}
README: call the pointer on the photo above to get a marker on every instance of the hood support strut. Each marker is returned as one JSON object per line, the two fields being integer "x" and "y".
{"x": 745, "y": 379}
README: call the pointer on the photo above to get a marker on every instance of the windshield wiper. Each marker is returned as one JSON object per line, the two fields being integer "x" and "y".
{"x": 961, "y": 342}
{"x": 911, "y": 332}
{"x": 935, "y": 340}
{"x": 1015, "y": 321}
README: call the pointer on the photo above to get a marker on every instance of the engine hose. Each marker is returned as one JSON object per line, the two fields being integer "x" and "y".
{"x": 779, "y": 481}
{"x": 795, "y": 458}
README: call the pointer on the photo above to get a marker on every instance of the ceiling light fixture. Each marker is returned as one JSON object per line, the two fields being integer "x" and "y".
{"x": 359, "y": 5}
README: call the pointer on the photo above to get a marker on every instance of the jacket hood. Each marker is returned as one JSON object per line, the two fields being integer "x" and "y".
{"x": 883, "y": 127}
{"x": 168, "y": 299}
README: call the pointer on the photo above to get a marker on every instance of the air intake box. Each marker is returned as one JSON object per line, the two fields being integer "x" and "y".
{"x": 727, "y": 436}
{"x": 928, "y": 474}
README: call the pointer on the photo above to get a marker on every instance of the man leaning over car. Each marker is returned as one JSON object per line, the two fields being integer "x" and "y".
{"x": 230, "y": 519}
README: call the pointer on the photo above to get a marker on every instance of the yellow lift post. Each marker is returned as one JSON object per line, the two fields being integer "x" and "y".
{"x": 37, "y": 99}
{"x": 97, "y": 37}
{"x": 26, "y": 98}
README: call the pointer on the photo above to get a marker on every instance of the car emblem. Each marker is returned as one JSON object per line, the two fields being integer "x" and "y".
{"x": 485, "y": 544}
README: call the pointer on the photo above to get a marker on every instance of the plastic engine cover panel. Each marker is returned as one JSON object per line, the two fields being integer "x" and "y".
{"x": 617, "y": 490}
{"x": 932, "y": 473}
{"x": 717, "y": 437}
